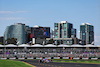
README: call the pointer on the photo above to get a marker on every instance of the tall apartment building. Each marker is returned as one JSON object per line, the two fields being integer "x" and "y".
{"x": 64, "y": 29}
{"x": 18, "y": 31}
{"x": 87, "y": 33}
{"x": 64, "y": 33}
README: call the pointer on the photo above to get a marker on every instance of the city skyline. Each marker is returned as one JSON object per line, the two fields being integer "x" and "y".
{"x": 46, "y": 13}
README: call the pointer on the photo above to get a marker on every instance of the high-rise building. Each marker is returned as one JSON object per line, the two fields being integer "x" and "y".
{"x": 18, "y": 31}
{"x": 64, "y": 29}
{"x": 64, "y": 33}
{"x": 39, "y": 34}
{"x": 87, "y": 33}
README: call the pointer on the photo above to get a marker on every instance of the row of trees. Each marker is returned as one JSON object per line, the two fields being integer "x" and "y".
{"x": 51, "y": 41}
{"x": 14, "y": 41}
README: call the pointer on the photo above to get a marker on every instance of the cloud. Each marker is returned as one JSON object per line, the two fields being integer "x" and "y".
{"x": 24, "y": 22}
{"x": 11, "y": 18}
{"x": 12, "y": 12}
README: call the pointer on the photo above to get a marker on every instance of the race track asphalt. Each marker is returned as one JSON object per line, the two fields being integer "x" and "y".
{"x": 57, "y": 64}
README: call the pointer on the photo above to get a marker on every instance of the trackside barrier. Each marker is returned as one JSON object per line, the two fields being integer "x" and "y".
{"x": 21, "y": 58}
{"x": 94, "y": 58}
{"x": 29, "y": 58}
{"x": 12, "y": 58}
{"x": 3, "y": 58}
{"x": 47, "y": 57}
{"x": 65, "y": 58}
{"x": 76, "y": 58}
{"x": 38, "y": 57}
{"x": 52, "y": 58}
{"x": 56, "y": 57}
{"x": 85, "y": 58}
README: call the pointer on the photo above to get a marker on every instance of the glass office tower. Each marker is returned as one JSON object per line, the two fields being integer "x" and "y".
{"x": 87, "y": 33}
{"x": 18, "y": 31}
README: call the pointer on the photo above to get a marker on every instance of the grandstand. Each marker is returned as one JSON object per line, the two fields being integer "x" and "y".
{"x": 49, "y": 51}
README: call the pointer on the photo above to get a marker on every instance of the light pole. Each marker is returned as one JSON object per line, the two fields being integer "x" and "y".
{"x": 43, "y": 43}
{"x": 5, "y": 48}
{"x": 63, "y": 49}
{"x": 17, "y": 45}
{"x": 30, "y": 43}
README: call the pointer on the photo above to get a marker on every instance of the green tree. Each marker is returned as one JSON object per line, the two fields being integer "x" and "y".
{"x": 11, "y": 41}
{"x": 50, "y": 41}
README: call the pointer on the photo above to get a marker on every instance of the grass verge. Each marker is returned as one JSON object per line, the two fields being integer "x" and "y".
{"x": 79, "y": 61}
{"x": 11, "y": 63}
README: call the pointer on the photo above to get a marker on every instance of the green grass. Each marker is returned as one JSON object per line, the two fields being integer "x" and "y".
{"x": 78, "y": 61}
{"x": 11, "y": 63}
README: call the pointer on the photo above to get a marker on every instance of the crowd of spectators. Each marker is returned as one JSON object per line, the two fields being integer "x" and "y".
{"x": 49, "y": 52}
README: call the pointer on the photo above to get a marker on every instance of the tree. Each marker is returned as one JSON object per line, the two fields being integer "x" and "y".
{"x": 11, "y": 41}
{"x": 50, "y": 41}
{"x": 58, "y": 43}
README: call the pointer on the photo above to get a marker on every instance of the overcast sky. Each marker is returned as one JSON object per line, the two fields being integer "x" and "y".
{"x": 47, "y": 12}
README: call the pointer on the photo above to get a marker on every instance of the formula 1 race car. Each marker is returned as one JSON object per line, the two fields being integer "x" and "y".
{"x": 44, "y": 61}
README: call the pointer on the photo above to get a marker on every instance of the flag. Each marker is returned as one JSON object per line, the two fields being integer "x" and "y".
{"x": 31, "y": 35}
{"x": 18, "y": 42}
{"x": 43, "y": 42}
{"x": 30, "y": 42}
{"x": 92, "y": 43}
{"x": 80, "y": 42}
{"x": 6, "y": 42}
